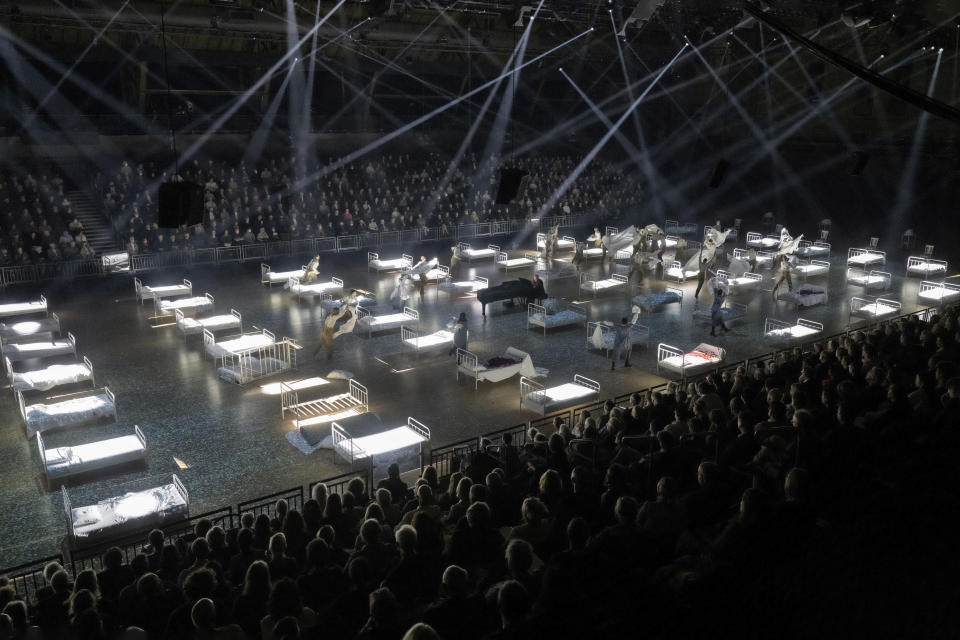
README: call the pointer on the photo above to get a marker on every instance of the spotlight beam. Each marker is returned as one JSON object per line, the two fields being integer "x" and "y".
{"x": 570, "y": 179}
{"x": 359, "y": 153}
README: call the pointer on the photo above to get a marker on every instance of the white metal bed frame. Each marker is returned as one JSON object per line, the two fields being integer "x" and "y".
{"x": 681, "y": 277}
{"x": 564, "y": 243}
{"x": 233, "y": 312}
{"x": 412, "y": 335}
{"x": 811, "y": 271}
{"x": 265, "y": 272}
{"x": 468, "y": 363}
{"x": 533, "y": 309}
{"x": 590, "y": 285}
{"x": 463, "y": 249}
{"x": 9, "y": 310}
{"x": 405, "y": 262}
{"x": 529, "y": 259}
{"x": 362, "y": 312}
{"x": 313, "y": 293}
{"x": 808, "y": 249}
{"x": 85, "y": 361}
{"x": 38, "y": 339}
{"x": 81, "y": 466}
{"x": 735, "y": 284}
{"x": 639, "y": 335}
{"x": 49, "y": 324}
{"x": 764, "y": 258}
{"x": 665, "y": 351}
{"x": 755, "y": 240}
{"x": 528, "y": 386}
{"x": 868, "y": 284}
{"x": 160, "y": 312}
{"x": 355, "y": 400}
{"x": 96, "y": 391}
{"x": 479, "y": 282}
{"x": 914, "y": 261}
{"x": 772, "y": 324}
{"x": 638, "y": 291}
{"x": 942, "y": 287}
{"x": 590, "y": 252}
{"x": 144, "y": 292}
{"x": 857, "y": 305}
{"x": 351, "y": 452}
{"x": 881, "y": 257}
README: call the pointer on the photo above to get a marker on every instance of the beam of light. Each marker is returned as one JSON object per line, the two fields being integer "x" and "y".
{"x": 79, "y": 59}
{"x": 905, "y": 193}
{"x": 259, "y": 139}
{"x": 196, "y": 146}
{"x": 345, "y": 160}
{"x": 570, "y": 179}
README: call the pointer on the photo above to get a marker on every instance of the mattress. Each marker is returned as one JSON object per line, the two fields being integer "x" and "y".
{"x": 392, "y": 264}
{"x": 559, "y": 319}
{"x": 742, "y": 283}
{"x": 805, "y": 296}
{"x": 564, "y": 394}
{"x": 654, "y": 301}
{"x": 875, "y": 310}
{"x": 18, "y": 308}
{"x": 797, "y": 331}
{"x": 315, "y": 288}
{"x": 867, "y": 259}
{"x": 867, "y": 280}
{"x": 593, "y": 252}
{"x": 41, "y": 417}
{"x": 763, "y": 243}
{"x": 436, "y": 274}
{"x": 131, "y": 511}
{"x": 239, "y": 345}
{"x": 95, "y": 455}
{"x": 812, "y": 251}
{"x": 50, "y": 377}
{"x": 674, "y": 272}
{"x": 461, "y": 286}
{"x": 924, "y": 268}
{"x": 811, "y": 269}
{"x": 522, "y": 364}
{"x": 435, "y": 339}
{"x": 690, "y": 360}
{"x": 561, "y": 243}
{"x": 195, "y": 303}
{"x": 479, "y": 253}
{"x": 26, "y": 328}
{"x": 41, "y": 349}
{"x": 283, "y": 276}
{"x": 251, "y": 369}
{"x": 388, "y": 321}
{"x": 211, "y": 323}
{"x": 364, "y": 301}
{"x": 599, "y": 285}
{"x": 937, "y": 294}
{"x": 516, "y": 262}
{"x": 166, "y": 290}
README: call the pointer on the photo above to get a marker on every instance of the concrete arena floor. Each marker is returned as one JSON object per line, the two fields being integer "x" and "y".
{"x": 227, "y": 443}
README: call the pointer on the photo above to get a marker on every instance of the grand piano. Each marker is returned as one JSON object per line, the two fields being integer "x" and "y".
{"x": 510, "y": 290}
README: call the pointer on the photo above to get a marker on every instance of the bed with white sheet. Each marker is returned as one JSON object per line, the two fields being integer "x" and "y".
{"x": 925, "y": 267}
{"x": 270, "y": 277}
{"x": 812, "y": 269}
{"x": 764, "y": 258}
{"x": 703, "y": 357}
{"x": 365, "y": 437}
{"x": 816, "y": 249}
{"x": 799, "y": 331}
{"x": 13, "y": 331}
{"x": 505, "y": 262}
{"x": 378, "y": 264}
{"x": 552, "y": 314}
{"x": 13, "y": 309}
{"x": 438, "y": 273}
{"x": 565, "y": 243}
{"x": 497, "y": 369}
{"x": 615, "y": 281}
{"x": 314, "y": 289}
{"x": 680, "y": 228}
{"x": 602, "y": 335}
{"x": 464, "y": 286}
{"x": 469, "y": 254}
{"x": 313, "y": 414}
{"x": 591, "y": 251}
{"x": 144, "y": 292}
{"x": 60, "y": 463}
{"x": 878, "y": 309}
{"x": 869, "y": 280}
{"x": 50, "y": 377}
{"x": 806, "y": 295}
{"x": 675, "y": 271}
{"x": 191, "y": 305}
{"x": 864, "y": 258}
{"x": 440, "y": 339}
{"x": 759, "y": 241}
{"x": 67, "y": 410}
{"x": 937, "y": 292}
{"x": 40, "y": 347}
{"x": 128, "y": 513}
{"x": 671, "y": 242}
{"x": 237, "y": 344}
{"x": 222, "y": 322}
{"x": 371, "y": 323}
{"x": 739, "y": 284}
{"x": 650, "y": 302}
{"x": 543, "y": 400}
{"x": 729, "y": 312}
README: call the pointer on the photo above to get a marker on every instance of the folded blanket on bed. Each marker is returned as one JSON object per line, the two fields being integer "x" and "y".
{"x": 652, "y": 301}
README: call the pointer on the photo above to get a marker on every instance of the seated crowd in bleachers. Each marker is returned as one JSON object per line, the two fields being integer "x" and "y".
{"x": 765, "y": 502}
{"x": 37, "y": 223}
{"x": 250, "y": 204}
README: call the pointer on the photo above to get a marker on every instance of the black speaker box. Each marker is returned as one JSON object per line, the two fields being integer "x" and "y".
{"x": 716, "y": 176}
{"x": 510, "y": 180}
{"x": 179, "y": 203}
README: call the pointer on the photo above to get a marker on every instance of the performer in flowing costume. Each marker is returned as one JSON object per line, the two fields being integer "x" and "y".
{"x": 783, "y": 258}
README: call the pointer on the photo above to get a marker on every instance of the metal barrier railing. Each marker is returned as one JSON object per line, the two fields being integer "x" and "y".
{"x": 266, "y": 504}
{"x": 338, "y": 484}
{"x": 27, "y": 578}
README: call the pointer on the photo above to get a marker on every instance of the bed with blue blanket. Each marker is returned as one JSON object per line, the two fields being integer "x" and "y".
{"x": 553, "y": 314}
{"x": 650, "y": 302}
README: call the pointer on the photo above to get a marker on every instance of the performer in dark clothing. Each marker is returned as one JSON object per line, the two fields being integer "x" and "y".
{"x": 716, "y": 312}
{"x": 538, "y": 293}
{"x": 701, "y": 278}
